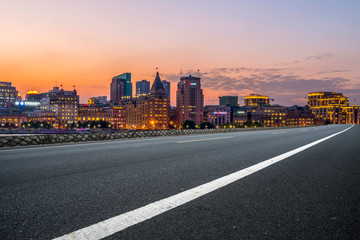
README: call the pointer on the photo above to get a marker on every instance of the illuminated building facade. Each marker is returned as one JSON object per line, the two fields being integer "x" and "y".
{"x": 217, "y": 115}
{"x": 8, "y": 95}
{"x": 190, "y": 100}
{"x": 142, "y": 87}
{"x": 43, "y": 116}
{"x": 255, "y": 100}
{"x": 239, "y": 115}
{"x": 93, "y": 113}
{"x": 63, "y": 103}
{"x": 299, "y": 116}
{"x": 12, "y": 120}
{"x": 352, "y": 114}
{"x": 89, "y": 113}
{"x": 120, "y": 87}
{"x": 333, "y": 108}
{"x": 114, "y": 115}
{"x": 268, "y": 116}
{"x": 118, "y": 117}
{"x": 149, "y": 111}
{"x": 228, "y": 101}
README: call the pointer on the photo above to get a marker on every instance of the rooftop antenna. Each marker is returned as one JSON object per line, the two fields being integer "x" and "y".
{"x": 181, "y": 73}
{"x": 199, "y": 73}
{"x": 55, "y": 82}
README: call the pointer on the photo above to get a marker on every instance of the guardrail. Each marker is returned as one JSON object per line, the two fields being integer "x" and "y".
{"x": 28, "y": 140}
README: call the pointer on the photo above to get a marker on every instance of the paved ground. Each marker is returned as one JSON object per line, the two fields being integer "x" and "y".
{"x": 50, "y": 191}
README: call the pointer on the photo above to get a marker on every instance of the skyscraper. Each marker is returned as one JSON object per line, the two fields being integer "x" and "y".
{"x": 142, "y": 87}
{"x": 120, "y": 86}
{"x": 190, "y": 100}
{"x": 166, "y": 87}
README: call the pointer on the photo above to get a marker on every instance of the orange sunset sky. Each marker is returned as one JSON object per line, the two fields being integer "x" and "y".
{"x": 283, "y": 49}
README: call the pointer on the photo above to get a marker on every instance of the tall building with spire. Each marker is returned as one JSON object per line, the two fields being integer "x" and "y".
{"x": 190, "y": 100}
{"x": 120, "y": 87}
{"x": 149, "y": 111}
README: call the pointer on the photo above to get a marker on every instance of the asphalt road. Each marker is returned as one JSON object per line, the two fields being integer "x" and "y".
{"x": 49, "y": 191}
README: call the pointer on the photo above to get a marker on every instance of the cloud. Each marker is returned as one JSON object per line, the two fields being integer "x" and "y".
{"x": 333, "y": 71}
{"x": 310, "y": 58}
{"x": 319, "y": 57}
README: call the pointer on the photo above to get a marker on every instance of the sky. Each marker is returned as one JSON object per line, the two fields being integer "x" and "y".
{"x": 280, "y": 48}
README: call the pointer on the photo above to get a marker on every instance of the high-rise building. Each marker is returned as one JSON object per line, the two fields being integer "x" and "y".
{"x": 149, "y": 111}
{"x": 255, "y": 100}
{"x": 228, "y": 101}
{"x": 333, "y": 107}
{"x": 190, "y": 100}
{"x": 166, "y": 87}
{"x": 8, "y": 94}
{"x": 142, "y": 87}
{"x": 64, "y": 104}
{"x": 120, "y": 87}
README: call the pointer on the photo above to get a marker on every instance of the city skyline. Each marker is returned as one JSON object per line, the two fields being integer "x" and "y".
{"x": 279, "y": 49}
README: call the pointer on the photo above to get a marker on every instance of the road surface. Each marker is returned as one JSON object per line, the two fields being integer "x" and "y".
{"x": 284, "y": 184}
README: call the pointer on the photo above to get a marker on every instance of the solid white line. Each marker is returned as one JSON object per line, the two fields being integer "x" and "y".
{"x": 123, "y": 221}
{"x": 200, "y": 140}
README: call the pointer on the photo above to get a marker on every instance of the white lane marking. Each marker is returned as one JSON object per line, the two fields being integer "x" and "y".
{"x": 277, "y": 132}
{"x": 200, "y": 140}
{"x": 118, "y": 223}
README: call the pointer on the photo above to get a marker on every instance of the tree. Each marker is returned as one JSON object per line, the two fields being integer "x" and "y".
{"x": 206, "y": 125}
{"x": 232, "y": 125}
{"x": 7, "y": 125}
{"x": 24, "y": 125}
{"x": 36, "y": 124}
{"x": 45, "y": 124}
{"x": 96, "y": 124}
{"x": 188, "y": 124}
{"x": 251, "y": 124}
